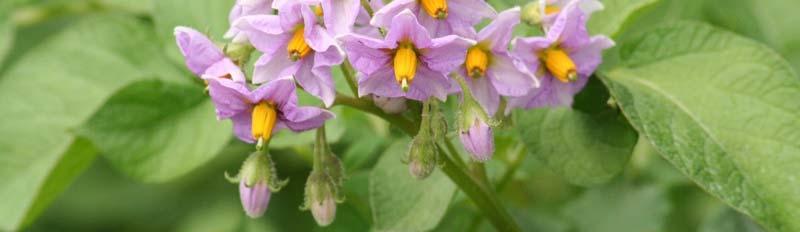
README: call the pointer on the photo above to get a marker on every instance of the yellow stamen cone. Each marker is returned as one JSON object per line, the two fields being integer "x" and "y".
{"x": 263, "y": 120}
{"x": 476, "y": 62}
{"x": 297, "y": 47}
{"x": 435, "y": 8}
{"x": 548, "y": 10}
{"x": 560, "y": 65}
{"x": 405, "y": 65}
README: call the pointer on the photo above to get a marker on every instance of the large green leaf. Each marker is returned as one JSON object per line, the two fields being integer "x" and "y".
{"x": 155, "y": 131}
{"x": 773, "y": 22}
{"x": 401, "y": 203}
{"x": 50, "y": 91}
{"x": 620, "y": 208}
{"x": 209, "y": 16}
{"x": 587, "y": 145}
{"x": 615, "y": 15}
{"x": 723, "y": 109}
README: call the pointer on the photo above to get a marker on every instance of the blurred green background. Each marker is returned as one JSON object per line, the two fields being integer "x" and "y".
{"x": 49, "y": 40}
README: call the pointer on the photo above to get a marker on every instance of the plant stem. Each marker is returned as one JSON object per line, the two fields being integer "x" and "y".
{"x": 366, "y": 105}
{"x": 483, "y": 197}
{"x": 480, "y": 192}
{"x": 349, "y": 75}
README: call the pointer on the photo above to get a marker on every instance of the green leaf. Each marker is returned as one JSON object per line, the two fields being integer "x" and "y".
{"x": 620, "y": 208}
{"x": 728, "y": 220}
{"x": 155, "y": 131}
{"x": 53, "y": 89}
{"x": 401, "y": 203}
{"x": 587, "y": 145}
{"x": 772, "y": 22}
{"x": 723, "y": 109}
{"x": 208, "y": 16}
{"x": 6, "y": 38}
{"x": 610, "y": 20}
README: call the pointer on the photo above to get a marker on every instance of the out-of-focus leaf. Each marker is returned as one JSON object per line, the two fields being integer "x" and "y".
{"x": 620, "y": 208}
{"x": 155, "y": 131}
{"x": 7, "y": 33}
{"x": 773, "y": 22}
{"x": 728, "y": 220}
{"x": 615, "y": 15}
{"x": 139, "y": 6}
{"x": 402, "y": 203}
{"x": 53, "y": 89}
{"x": 585, "y": 149}
{"x": 723, "y": 109}
{"x": 209, "y": 16}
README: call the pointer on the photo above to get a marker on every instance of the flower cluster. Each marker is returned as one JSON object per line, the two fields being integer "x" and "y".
{"x": 419, "y": 50}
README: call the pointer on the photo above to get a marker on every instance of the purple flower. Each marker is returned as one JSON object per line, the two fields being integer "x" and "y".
{"x": 293, "y": 43}
{"x": 245, "y": 8}
{"x": 407, "y": 63}
{"x": 390, "y": 105}
{"x": 550, "y": 9}
{"x": 255, "y": 198}
{"x": 338, "y": 16}
{"x": 563, "y": 60}
{"x": 440, "y": 17}
{"x": 257, "y": 114}
{"x": 489, "y": 70}
{"x": 362, "y": 25}
{"x": 478, "y": 140}
{"x": 204, "y": 58}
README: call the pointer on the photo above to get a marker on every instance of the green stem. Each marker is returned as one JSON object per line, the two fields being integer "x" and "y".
{"x": 319, "y": 152}
{"x": 349, "y": 75}
{"x": 367, "y": 7}
{"x": 366, "y": 105}
{"x": 483, "y": 196}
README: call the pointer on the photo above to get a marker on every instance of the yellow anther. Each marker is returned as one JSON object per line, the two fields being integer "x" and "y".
{"x": 318, "y": 10}
{"x": 548, "y": 10}
{"x": 405, "y": 65}
{"x": 435, "y": 8}
{"x": 264, "y": 118}
{"x": 560, "y": 65}
{"x": 297, "y": 47}
{"x": 476, "y": 62}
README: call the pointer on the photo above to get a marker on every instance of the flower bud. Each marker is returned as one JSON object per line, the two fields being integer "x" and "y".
{"x": 422, "y": 157}
{"x": 532, "y": 13}
{"x": 478, "y": 140}
{"x": 390, "y": 105}
{"x": 257, "y": 180}
{"x": 255, "y": 198}
{"x": 239, "y": 52}
{"x": 321, "y": 197}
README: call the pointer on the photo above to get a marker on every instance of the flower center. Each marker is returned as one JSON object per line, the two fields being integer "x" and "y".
{"x": 318, "y": 10}
{"x": 297, "y": 47}
{"x": 435, "y": 8}
{"x": 560, "y": 65}
{"x": 548, "y": 10}
{"x": 476, "y": 62}
{"x": 264, "y": 118}
{"x": 405, "y": 64}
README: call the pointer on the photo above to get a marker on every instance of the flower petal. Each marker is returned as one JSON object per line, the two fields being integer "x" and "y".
{"x": 469, "y": 12}
{"x": 366, "y": 54}
{"x": 446, "y": 53}
{"x": 280, "y": 92}
{"x": 509, "y": 77}
{"x": 222, "y": 69}
{"x": 498, "y": 33}
{"x": 340, "y": 15}
{"x": 264, "y": 32}
{"x": 527, "y": 50}
{"x": 569, "y": 28}
{"x": 385, "y": 16}
{"x": 478, "y": 141}
{"x": 428, "y": 83}
{"x": 198, "y": 51}
{"x": 484, "y": 93}
{"x": 268, "y": 68}
{"x": 588, "y": 57}
{"x": 230, "y": 98}
{"x": 305, "y": 118}
{"x": 380, "y": 83}
{"x": 406, "y": 27}
{"x": 242, "y": 126}
{"x": 317, "y": 80}
{"x": 551, "y": 93}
